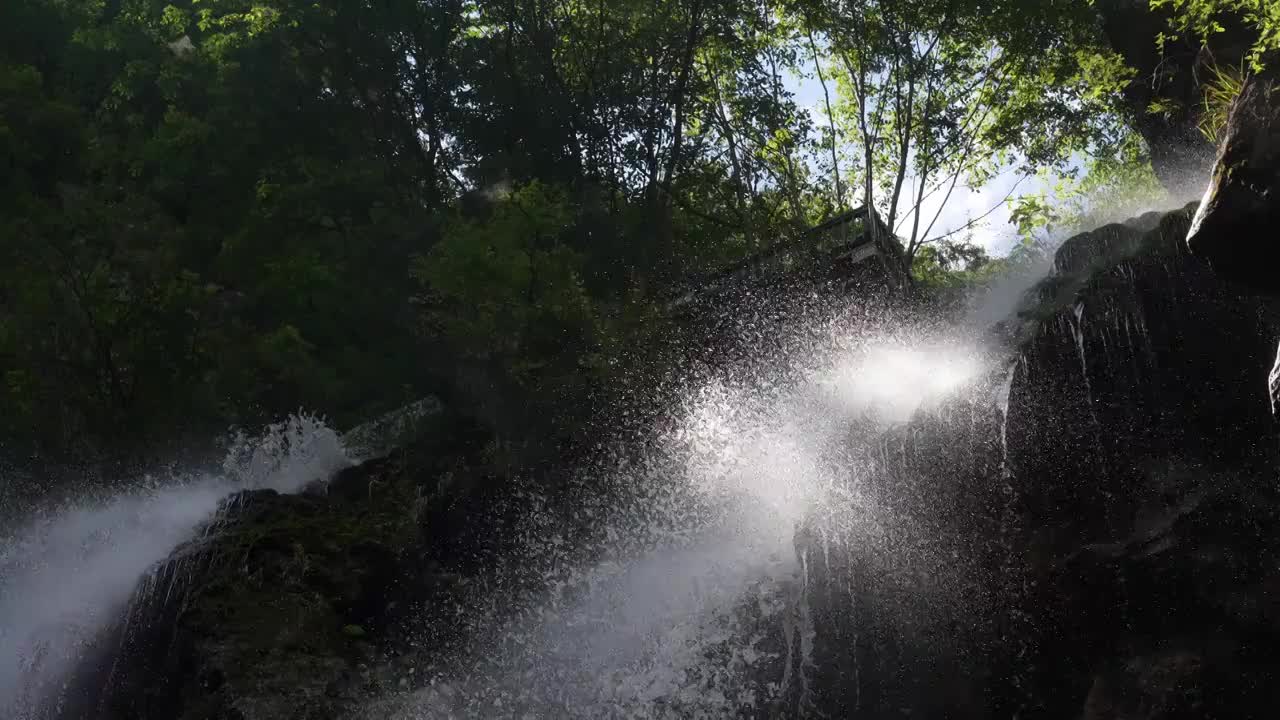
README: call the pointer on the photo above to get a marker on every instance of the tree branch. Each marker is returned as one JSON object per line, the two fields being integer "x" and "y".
{"x": 974, "y": 221}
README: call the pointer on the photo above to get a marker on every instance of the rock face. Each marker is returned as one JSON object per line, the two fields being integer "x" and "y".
{"x": 1171, "y": 78}
{"x": 310, "y": 606}
{"x": 1140, "y": 438}
{"x": 1100, "y": 540}
{"x": 905, "y": 596}
{"x": 1180, "y": 154}
{"x": 285, "y": 608}
{"x": 1237, "y": 230}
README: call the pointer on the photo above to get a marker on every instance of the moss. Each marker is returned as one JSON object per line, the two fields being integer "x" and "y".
{"x": 289, "y": 593}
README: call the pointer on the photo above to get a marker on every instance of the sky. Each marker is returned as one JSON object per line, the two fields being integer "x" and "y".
{"x": 993, "y": 233}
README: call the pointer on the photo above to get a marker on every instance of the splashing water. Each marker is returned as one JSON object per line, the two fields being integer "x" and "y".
{"x": 693, "y": 606}
{"x": 705, "y": 617}
{"x": 887, "y": 381}
{"x": 67, "y": 574}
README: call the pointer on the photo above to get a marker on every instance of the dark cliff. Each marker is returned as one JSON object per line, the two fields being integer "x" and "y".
{"x": 1141, "y": 440}
{"x": 1097, "y": 540}
{"x": 1235, "y": 229}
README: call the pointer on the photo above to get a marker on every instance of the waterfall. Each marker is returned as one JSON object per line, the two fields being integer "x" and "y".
{"x": 826, "y": 527}
{"x": 875, "y": 516}
{"x": 67, "y": 574}
{"x": 699, "y": 600}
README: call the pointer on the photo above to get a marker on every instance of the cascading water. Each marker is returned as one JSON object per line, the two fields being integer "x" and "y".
{"x": 796, "y": 538}
{"x": 67, "y": 574}
{"x": 702, "y": 599}
{"x": 694, "y": 605}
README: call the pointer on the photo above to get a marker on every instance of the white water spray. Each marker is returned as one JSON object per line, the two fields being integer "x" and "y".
{"x": 68, "y": 573}
{"x": 707, "y": 619}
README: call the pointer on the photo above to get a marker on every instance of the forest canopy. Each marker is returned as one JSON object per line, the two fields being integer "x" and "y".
{"x": 218, "y": 211}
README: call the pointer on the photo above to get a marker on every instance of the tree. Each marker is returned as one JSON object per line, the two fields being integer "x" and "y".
{"x": 1206, "y": 18}
{"x": 211, "y": 205}
{"x": 216, "y": 211}
{"x": 934, "y": 93}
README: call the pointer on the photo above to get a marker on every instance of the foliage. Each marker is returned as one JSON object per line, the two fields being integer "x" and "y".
{"x": 505, "y": 293}
{"x": 194, "y": 237}
{"x": 1111, "y": 188}
{"x": 1205, "y": 18}
{"x": 215, "y": 211}
{"x": 934, "y": 95}
{"x": 950, "y": 265}
{"x": 1220, "y": 91}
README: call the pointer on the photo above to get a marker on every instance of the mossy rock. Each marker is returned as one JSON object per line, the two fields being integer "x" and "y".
{"x": 278, "y": 612}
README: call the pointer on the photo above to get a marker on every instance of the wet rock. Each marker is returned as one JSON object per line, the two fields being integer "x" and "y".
{"x": 270, "y": 612}
{"x": 1096, "y": 540}
{"x": 1161, "y": 687}
{"x": 1273, "y": 385}
{"x": 1140, "y": 435}
{"x": 1235, "y": 230}
{"x": 905, "y": 606}
{"x": 1170, "y": 75}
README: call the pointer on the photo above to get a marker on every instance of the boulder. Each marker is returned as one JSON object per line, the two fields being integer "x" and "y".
{"x": 287, "y": 607}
